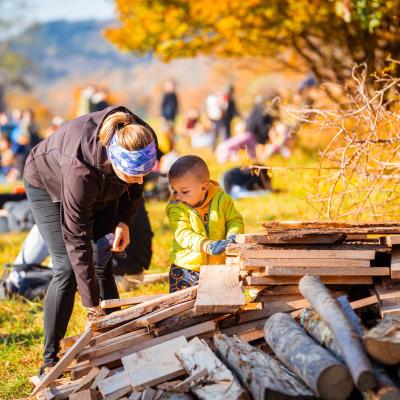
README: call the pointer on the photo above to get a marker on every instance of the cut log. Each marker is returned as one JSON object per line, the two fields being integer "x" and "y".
{"x": 262, "y": 375}
{"x": 112, "y": 303}
{"x": 316, "y": 271}
{"x": 346, "y": 337}
{"x": 119, "y": 317}
{"x": 383, "y": 341}
{"x": 219, "y": 290}
{"x": 221, "y": 383}
{"x": 155, "y": 364}
{"x": 291, "y": 280}
{"x": 60, "y": 367}
{"x": 326, "y": 376}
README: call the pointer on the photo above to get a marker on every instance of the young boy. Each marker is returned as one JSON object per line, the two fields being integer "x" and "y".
{"x": 203, "y": 219}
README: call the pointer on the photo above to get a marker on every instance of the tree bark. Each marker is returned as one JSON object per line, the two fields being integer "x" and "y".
{"x": 343, "y": 332}
{"x": 318, "y": 368}
{"x": 262, "y": 375}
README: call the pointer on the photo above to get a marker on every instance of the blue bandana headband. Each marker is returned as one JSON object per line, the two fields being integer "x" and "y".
{"x": 136, "y": 162}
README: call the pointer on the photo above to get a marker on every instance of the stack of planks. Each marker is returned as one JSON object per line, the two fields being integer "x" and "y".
{"x": 343, "y": 254}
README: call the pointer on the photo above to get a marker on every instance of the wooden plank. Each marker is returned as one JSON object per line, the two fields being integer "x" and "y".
{"x": 129, "y": 340}
{"x": 155, "y": 364}
{"x": 119, "y": 317}
{"x": 291, "y": 280}
{"x": 219, "y": 290}
{"x": 277, "y": 298}
{"x": 221, "y": 383}
{"x": 114, "y": 383}
{"x": 60, "y": 367}
{"x": 103, "y": 374}
{"x": 146, "y": 320}
{"x": 119, "y": 394}
{"x": 86, "y": 382}
{"x": 249, "y": 331}
{"x": 290, "y": 253}
{"x": 250, "y": 238}
{"x": 148, "y": 394}
{"x": 358, "y": 271}
{"x": 196, "y": 330}
{"x": 333, "y": 263}
{"x": 87, "y": 394}
{"x": 276, "y": 290}
{"x": 395, "y": 264}
{"x": 128, "y": 301}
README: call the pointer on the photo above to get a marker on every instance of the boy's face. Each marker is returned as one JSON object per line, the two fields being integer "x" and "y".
{"x": 189, "y": 189}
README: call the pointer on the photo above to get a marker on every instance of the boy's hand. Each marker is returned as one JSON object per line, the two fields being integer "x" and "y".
{"x": 216, "y": 247}
{"x": 122, "y": 237}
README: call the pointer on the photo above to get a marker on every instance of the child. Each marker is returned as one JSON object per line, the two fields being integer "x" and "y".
{"x": 203, "y": 219}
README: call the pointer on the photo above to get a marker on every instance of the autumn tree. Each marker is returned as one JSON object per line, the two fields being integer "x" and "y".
{"x": 325, "y": 36}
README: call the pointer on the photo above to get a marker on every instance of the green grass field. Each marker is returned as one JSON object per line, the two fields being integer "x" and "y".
{"x": 21, "y": 321}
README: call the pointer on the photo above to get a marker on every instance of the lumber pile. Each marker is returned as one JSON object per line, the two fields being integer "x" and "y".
{"x": 300, "y": 336}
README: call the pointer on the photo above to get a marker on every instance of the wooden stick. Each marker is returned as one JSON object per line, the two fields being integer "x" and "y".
{"x": 128, "y": 301}
{"x": 60, "y": 367}
{"x": 347, "y": 339}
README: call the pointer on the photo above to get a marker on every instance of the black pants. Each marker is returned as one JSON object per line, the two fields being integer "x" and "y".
{"x": 59, "y": 300}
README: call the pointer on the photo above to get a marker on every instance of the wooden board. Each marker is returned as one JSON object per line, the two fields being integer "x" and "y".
{"x": 60, "y": 367}
{"x": 196, "y": 330}
{"x": 310, "y": 254}
{"x": 291, "y": 280}
{"x": 305, "y": 262}
{"x": 358, "y": 271}
{"x": 395, "y": 264}
{"x": 165, "y": 301}
{"x": 221, "y": 384}
{"x": 128, "y": 301}
{"x": 262, "y": 238}
{"x": 114, "y": 383}
{"x": 146, "y": 320}
{"x": 155, "y": 364}
{"x": 219, "y": 290}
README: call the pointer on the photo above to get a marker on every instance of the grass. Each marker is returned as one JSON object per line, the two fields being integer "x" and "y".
{"x": 21, "y": 321}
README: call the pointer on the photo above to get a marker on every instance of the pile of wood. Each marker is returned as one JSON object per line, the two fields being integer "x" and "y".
{"x": 297, "y": 338}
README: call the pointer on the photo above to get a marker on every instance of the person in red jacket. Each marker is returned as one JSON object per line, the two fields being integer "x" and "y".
{"x": 84, "y": 182}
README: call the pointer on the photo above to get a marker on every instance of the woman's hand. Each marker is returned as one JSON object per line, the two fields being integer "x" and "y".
{"x": 122, "y": 238}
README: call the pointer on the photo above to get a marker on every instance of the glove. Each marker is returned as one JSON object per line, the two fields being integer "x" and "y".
{"x": 231, "y": 238}
{"x": 104, "y": 253}
{"x": 216, "y": 247}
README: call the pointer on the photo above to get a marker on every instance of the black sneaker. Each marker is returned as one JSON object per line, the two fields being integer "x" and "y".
{"x": 45, "y": 369}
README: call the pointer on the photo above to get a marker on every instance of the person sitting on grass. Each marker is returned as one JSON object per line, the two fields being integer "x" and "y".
{"x": 203, "y": 218}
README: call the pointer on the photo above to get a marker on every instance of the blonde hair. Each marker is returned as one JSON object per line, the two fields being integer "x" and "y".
{"x": 131, "y": 134}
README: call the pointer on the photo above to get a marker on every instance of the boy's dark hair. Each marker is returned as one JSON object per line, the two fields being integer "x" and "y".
{"x": 185, "y": 164}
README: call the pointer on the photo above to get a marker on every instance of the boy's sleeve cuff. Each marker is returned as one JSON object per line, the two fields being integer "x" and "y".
{"x": 205, "y": 244}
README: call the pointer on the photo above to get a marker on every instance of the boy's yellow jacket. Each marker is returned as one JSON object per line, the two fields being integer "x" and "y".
{"x": 190, "y": 232}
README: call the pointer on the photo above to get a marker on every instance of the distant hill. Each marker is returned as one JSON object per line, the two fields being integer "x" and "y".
{"x": 62, "y": 49}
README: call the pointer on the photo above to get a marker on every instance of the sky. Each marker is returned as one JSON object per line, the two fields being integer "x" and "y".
{"x": 72, "y": 10}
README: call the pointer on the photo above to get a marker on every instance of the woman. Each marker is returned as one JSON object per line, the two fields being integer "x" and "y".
{"x": 84, "y": 182}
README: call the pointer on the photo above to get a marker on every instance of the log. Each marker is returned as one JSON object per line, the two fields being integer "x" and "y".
{"x": 323, "y": 373}
{"x": 383, "y": 341}
{"x": 262, "y": 375}
{"x": 221, "y": 383}
{"x": 219, "y": 290}
{"x": 346, "y": 337}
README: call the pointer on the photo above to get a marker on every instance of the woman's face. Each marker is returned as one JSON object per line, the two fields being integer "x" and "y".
{"x": 128, "y": 178}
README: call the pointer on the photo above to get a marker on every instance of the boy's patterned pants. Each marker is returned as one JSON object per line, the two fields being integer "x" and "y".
{"x": 181, "y": 278}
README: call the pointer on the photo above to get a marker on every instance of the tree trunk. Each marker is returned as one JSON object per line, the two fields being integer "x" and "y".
{"x": 318, "y": 368}
{"x": 345, "y": 335}
{"x": 262, "y": 375}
